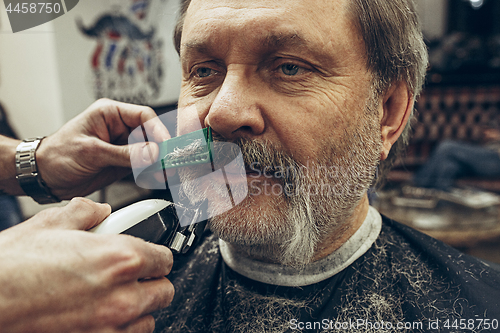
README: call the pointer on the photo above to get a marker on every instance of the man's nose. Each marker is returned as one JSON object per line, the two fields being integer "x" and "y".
{"x": 237, "y": 108}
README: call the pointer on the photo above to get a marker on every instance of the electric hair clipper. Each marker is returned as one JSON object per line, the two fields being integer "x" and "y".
{"x": 159, "y": 221}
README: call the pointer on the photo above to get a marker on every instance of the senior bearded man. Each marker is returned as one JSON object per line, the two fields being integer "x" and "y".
{"x": 316, "y": 94}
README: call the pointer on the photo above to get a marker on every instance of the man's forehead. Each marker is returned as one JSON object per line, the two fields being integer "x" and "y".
{"x": 275, "y": 24}
{"x": 283, "y": 9}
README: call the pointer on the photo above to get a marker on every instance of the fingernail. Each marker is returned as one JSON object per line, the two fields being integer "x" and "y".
{"x": 146, "y": 153}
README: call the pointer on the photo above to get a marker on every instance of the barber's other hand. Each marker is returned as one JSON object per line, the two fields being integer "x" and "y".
{"x": 90, "y": 151}
{"x": 54, "y": 277}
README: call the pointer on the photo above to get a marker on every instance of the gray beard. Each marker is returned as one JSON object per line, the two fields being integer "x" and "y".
{"x": 319, "y": 202}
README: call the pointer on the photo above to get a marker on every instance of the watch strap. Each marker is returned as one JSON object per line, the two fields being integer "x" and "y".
{"x": 28, "y": 176}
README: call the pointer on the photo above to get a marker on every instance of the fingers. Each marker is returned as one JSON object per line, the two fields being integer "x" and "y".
{"x": 160, "y": 260}
{"x": 136, "y": 260}
{"x": 115, "y": 280}
{"x": 79, "y": 213}
{"x": 143, "y": 154}
{"x": 84, "y": 214}
{"x": 136, "y": 155}
{"x": 137, "y": 274}
{"x": 159, "y": 293}
{"x": 156, "y": 130}
{"x": 145, "y": 324}
{"x": 134, "y": 116}
{"x": 147, "y": 129}
{"x": 129, "y": 305}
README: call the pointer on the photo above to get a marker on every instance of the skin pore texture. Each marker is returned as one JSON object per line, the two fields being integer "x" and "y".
{"x": 291, "y": 90}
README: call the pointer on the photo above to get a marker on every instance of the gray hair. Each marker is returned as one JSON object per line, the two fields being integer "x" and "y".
{"x": 395, "y": 51}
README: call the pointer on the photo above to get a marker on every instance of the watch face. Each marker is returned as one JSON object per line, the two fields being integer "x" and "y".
{"x": 27, "y": 172}
{"x": 25, "y": 158}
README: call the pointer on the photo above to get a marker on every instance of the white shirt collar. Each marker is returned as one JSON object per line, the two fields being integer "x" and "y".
{"x": 315, "y": 272}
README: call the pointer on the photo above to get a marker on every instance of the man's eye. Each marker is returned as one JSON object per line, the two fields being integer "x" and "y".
{"x": 290, "y": 69}
{"x": 204, "y": 72}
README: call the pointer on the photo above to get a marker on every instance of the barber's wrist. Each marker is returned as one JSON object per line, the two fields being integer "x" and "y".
{"x": 28, "y": 173}
{"x": 8, "y": 181}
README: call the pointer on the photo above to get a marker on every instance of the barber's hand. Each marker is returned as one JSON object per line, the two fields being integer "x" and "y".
{"x": 54, "y": 277}
{"x": 90, "y": 151}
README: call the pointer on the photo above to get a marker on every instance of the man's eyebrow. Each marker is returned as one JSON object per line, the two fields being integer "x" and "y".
{"x": 271, "y": 42}
{"x": 294, "y": 41}
{"x": 283, "y": 40}
{"x": 198, "y": 45}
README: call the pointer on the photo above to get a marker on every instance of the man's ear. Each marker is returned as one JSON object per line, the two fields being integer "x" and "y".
{"x": 397, "y": 105}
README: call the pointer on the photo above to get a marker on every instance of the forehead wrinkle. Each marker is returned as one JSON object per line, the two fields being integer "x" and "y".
{"x": 273, "y": 41}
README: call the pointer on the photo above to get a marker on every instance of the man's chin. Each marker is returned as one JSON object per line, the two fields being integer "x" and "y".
{"x": 257, "y": 220}
{"x": 244, "y": 197}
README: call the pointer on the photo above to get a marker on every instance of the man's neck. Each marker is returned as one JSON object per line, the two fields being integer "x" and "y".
{"x": 338, "y": 237}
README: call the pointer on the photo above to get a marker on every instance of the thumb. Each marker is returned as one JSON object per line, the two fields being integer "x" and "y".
{"x": 136, "y": 155}
{"x": 79, "y": 214}
{"x": 143, "y": 154}
{"x": 83, "y": 214}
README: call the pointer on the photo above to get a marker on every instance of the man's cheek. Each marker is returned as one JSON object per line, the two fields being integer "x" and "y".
{"x": 188, "y": 120}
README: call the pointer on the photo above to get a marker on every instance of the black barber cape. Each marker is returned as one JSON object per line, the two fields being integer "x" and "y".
{"x": 405, "y": 282}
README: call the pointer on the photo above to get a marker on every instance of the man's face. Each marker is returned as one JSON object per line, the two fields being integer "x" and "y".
{"x": 291, "y": 77}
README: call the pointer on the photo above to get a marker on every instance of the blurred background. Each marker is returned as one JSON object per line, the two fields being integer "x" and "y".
{"x": 122, "y": 49}
{"x": 119, "y": 49}
{"x": 447, "y": 183}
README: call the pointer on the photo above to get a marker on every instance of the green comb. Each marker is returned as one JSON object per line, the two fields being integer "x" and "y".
{"x": 203, "y": 155}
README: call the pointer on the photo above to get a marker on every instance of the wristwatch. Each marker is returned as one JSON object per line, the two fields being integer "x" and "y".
{"x": 27, "y": 172}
